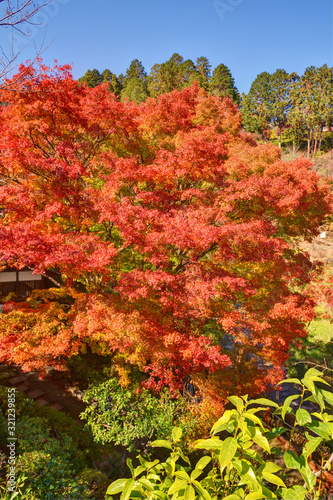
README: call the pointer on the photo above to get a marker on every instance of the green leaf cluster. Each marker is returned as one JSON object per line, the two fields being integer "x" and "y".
{"x": 232, "y": 467}
{"x": 51, "y": 450}
{"x": 116, "y": 415}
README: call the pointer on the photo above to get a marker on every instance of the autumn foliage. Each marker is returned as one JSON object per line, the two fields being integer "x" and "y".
{"x": 168, "y": 229}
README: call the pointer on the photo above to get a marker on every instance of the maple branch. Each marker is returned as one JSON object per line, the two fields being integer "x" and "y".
{"x": 93, "y": 149}
{"x": 181, "y": 266}
{"x": 47, "y": 277}
{"x": 212, "y": 247}
{"x": 109, "y": 230}
{"x": 38, "y": 146}
{"x": 4, "y": 179}
{"x": 185, "y": 261}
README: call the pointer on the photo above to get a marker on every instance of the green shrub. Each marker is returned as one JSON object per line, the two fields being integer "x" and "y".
{"x": 117, "y": 416}
{"x": 327, "y": 141}
{"x": 50, "y": 476}
{"x": 95, "y": 481}
{"x": 32, "y": 433}
{"x": 51, "y": 451}
{"x": 59, "y": 422}
{"x": 49, "y": 462}
{"x": 3, "y": 429}
{"x": 232, "y": 467}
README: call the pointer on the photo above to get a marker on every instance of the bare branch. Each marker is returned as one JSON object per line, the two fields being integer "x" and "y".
{"x": 316, "y": 365}
{"x": 19, "y": 15}
{"x": 16, "y": 16}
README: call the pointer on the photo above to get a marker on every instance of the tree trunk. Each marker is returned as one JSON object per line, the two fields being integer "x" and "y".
{"x": 315, "y": 144}
{"x": 321, "y": 136}
{"x": 280, "y": 138}
{"x": 309, "y": 143}
{"x": 123, "y": 462}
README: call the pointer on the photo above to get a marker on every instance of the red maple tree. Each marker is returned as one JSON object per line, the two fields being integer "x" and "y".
{"x": 170, "y": 232}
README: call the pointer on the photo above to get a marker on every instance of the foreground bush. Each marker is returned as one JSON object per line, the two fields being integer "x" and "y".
{"x": 51, "y": 452}
{"x": 236, "y": 466}
{"x": 130, "y": 421}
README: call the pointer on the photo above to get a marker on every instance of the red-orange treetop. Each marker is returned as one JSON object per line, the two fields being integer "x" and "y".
{"x": 167, "y": 227}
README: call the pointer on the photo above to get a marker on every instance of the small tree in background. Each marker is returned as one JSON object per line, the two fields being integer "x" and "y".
{"x": 222, "y": 84}
{"x": 255, "y": 106}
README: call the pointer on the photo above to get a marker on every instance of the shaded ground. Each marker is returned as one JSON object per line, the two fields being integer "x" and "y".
{"x": 53, "y": 390}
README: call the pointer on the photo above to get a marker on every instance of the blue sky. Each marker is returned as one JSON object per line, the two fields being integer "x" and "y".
{"x": 249, "y": 36}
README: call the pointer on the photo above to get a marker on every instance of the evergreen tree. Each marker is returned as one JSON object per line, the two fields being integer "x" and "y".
{"x": 317, "y": 89}
{"x": 279, "y": 97}
{"x": 176, "y": 74}
{"x": 296, "y": 118}
{"x": 168, "y": 76}
{"x": 106, "y": 75}
{"x": 121, "y": 80}
{"x": 112, "y": 80}
{"x": 135, "y": 90}
{"x": 188, "y": 73}
{"x": 203, "y": 72}
{"x": 255, "y": 106}
{"x": 222, "y": 84}
{"x": 135, "y": 84}
{"x": 172, "y": 73}
{"x": 92, "y": 78}
{"x": 203, "y": 67}
{"x": 115, "y": 86}
{"x": 154, "y": 80}
{"x": 135, "y": 70}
